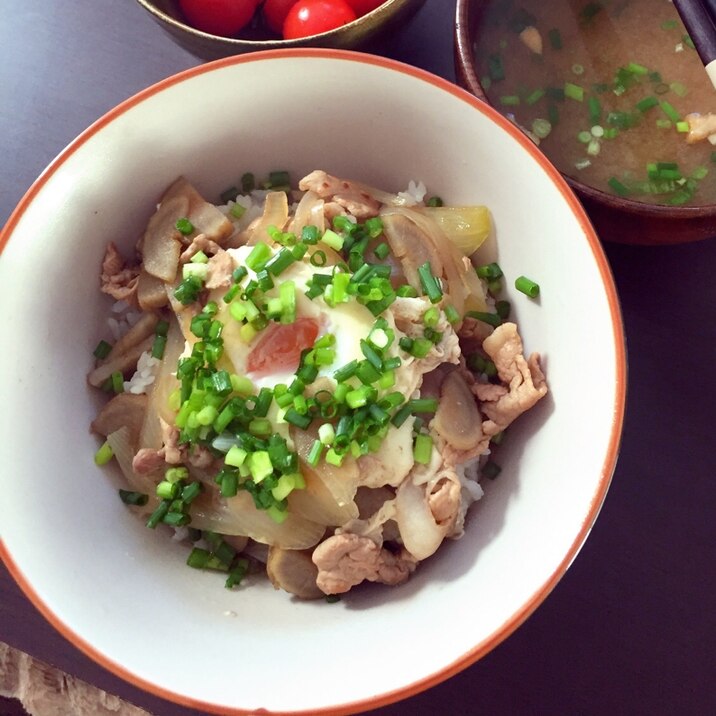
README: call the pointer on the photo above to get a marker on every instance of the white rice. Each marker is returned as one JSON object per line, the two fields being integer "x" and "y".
{"x": 121, "y": 319}
{"x": 414, "y": 194}
{"x": 144, "y": 375}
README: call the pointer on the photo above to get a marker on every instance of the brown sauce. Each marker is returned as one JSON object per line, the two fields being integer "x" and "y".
{"x": 638, "y": 76}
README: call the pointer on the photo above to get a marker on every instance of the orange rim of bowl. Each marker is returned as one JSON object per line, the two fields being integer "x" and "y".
{"x": 465, "y": 57}
{"x": 610, "y": 459}
{"x": 381, "y": 12}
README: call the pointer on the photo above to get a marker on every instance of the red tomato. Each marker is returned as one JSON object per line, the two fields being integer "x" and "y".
{"x": 311, "y": 17}
{"x": 275, "y": 12}
{"x": 280, "y": 346}
{"x": 363, "y": 7}
{"x": 218, "y": 17}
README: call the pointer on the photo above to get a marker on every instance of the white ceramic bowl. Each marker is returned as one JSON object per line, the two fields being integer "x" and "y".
{"x": 122, "y": 593}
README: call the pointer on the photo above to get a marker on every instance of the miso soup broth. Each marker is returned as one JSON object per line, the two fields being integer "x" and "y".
{"x": 606, "y": 88}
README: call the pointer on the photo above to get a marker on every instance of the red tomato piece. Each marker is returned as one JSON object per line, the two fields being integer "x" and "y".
{"x": 275, "y": 12}
{"x": 312, "y": 17}
{"x": 363, "y": 7}
{"x": 279, "y": 348}
{"x": 218, "y": 17}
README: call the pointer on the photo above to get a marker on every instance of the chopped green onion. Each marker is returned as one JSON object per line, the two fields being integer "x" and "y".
{"x": 534, "y": 96}
{"x": 552, "y": 114}
{"x": 314, "y": 454}
{"x": 434, "y": 201}
{"x": 279, "y": 178}
{"x": 191, "y": 492}
{"x": 636, "y": 69}
{"x": 682, "y": 127}
{"x": 184, "y": 226}
{"x": 590, "y": 11}
{"x": 237, "y": 210}
{"x": 495, "y": 67}
{"x": 318, "y": 258}
{"x": 578, "y": 69}
{"x": 158, "y": 346}
{"x": 159, "y": 513}
{"x": 492, "y": 319}
{"x": 229, "y": 486}
{"x": 618, "y": 187}
{"x": 511, "y": 100}
{"x": 334, "y": 458}
{"x": 174, "y": 474}
{"x": 129, "y": 497}
{"x": 260, "y": 465}
{"x": 104, "y": 454}
{"x": 670, "y": 111}
{"x": 407, "y": 291}
{"x": 117, "y": 382}
{"x": 188, "y": 290}
{"x": 431, "y": 317}
{"x": 679, "y": 89}
{"x": 688, "y": 41}
{"x": 527, "y": 286}
{"x": 541, "y": 128}
{"x": 259, "y": 255}
{"x": 248, "y": 183}
{"x": 167, "y": 490}
{"x": 295, "y": 418}
{"x": 503, "y": 309}
{"x": 423, "y": 448}
{"x": 279, "y": 262}
{"x": 102, "y": 350}
{"x": 374, "y": 227}
{"x": 555, "y": 38}
{"x": 382, "y": 250}
{"x": 451, "y": 314}
{"x": 491, "y": 470}
{"x": 429, "y": 283}
{"x": 647, "y": 103}
{"x": 573, "y": 91}
{"x": 331, "y": 239}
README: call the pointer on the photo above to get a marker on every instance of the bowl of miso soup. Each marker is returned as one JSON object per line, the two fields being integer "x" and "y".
{"x": 614, "y": 94}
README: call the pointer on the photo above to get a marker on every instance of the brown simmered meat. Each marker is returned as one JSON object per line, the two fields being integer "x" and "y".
{"x": 171, "y": 453}
{"x": 118, "y": 279}
{"x": 523, "y": 378}
{"x": 354, "y": 198}
{"x": 345, "y": 560}
{"x": 220, "y": 269}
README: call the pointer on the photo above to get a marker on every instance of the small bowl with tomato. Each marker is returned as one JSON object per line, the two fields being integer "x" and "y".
{"x": 221, "y": 28}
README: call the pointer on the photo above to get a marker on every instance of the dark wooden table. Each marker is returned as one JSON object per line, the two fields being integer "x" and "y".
{"x": 631, "y": 629}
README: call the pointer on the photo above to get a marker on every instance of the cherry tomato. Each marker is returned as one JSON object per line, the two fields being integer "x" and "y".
{"x": 363, "y": 7}
{"x": 279, "y": 348}
{"x": 275, "y": 12}
{"x": 218, "y": 17}
{"x": 311, "y": 17}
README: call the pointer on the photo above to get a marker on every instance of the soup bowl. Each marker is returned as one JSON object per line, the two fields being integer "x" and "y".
{"x": 616, "y": 218}
{"x": 134, "y": 606}
{"x": 258, "y": 37}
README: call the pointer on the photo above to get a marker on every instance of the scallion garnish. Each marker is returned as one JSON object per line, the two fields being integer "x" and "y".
{"x": 184, "y": 226}
{"x": 527, "y": 286}
{"x": 130, "y": 497}
{"x": 430, "y": 284}
{"x": 423, "y": 448}
{"x": 102, "y": 350}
